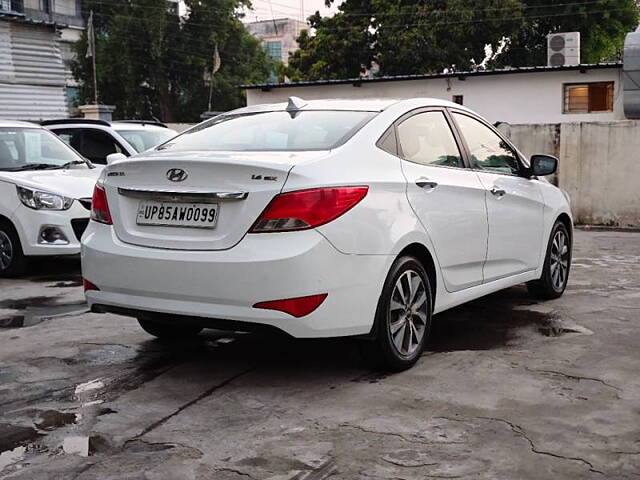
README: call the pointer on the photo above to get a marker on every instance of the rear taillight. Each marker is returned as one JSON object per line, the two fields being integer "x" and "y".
{"x": 307, "y": 208}
{"x": 298, "y": 307}
{"x": 87, "y": 285}
{"x": 99, "y": 206}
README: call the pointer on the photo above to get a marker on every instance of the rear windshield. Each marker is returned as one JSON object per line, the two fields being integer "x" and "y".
{"x": 272, "y": 131}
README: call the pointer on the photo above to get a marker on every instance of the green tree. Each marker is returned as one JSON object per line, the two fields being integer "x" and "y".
{"x": 408, "y": 37}
{"x": 152, "y": 63}
{"x": 402, "y": 36}
{"x": 602, "y": 24}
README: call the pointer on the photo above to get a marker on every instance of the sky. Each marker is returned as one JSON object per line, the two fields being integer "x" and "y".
{"x": 266, "y": 10}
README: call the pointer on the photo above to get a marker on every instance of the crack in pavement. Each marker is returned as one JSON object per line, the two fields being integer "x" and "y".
{"x": 573, "y": 377}
{"x": 399, "y": 435}
{"x": 414, "y": 465}
{"x": 233, "y": 470}
{"x": 180, "y": 409}
{"x": 365, "y": 474}
{"x": 518, "y": 430}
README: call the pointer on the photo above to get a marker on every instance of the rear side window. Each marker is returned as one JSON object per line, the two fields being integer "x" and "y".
{"x": 388, "y": 142}
{"x": 143, "y": 140}
{"x": 272, "y": 131}
{"x": 427, "y": 139}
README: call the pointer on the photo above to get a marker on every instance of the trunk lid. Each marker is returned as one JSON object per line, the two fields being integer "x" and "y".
{"x": 238, "y": 184}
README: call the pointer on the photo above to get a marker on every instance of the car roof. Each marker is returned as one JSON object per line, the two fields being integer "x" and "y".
{"x": 17, "y": 124}
{"x": 365, "y": 105}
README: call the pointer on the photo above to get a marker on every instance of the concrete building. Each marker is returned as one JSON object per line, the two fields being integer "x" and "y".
{"x": 36, "y": 38}
{"x": 576, "y": 93}
{"x": 278, "y": 36}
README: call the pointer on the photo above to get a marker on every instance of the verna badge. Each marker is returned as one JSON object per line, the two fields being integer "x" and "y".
{"x": 177, "y": 175}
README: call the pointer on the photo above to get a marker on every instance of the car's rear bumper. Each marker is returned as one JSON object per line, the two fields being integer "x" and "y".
{"x": 218, "y": 286}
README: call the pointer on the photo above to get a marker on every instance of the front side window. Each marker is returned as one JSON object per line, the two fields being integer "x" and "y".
{"x": 426, "y": 138}
{"x": 272, "y": 131}
{"x": 588, "y": 97}
{"x": 96, "y": 145}
{"x": 488, "y": 151}
{"x": 26, "y": 148}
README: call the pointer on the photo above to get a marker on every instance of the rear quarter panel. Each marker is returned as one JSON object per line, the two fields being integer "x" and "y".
{"x": 383, "y": 221}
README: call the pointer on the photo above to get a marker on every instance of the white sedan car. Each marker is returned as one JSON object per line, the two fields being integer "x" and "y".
{"x": 45, "y": 195}
{"x": 324, "y": 219}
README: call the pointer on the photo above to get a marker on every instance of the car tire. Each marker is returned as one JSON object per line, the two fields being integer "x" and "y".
{"x": 165, "y": 331}
{"x": 403, "y": 317}
{"x": 557, "y": 264}
{"x": 12, "y": 259}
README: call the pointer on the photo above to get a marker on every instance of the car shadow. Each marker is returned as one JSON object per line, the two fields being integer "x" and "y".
{"x": 55, "y": 269}
{"x": 484, "y": 324}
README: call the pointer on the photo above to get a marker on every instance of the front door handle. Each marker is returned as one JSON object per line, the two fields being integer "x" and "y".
{"x": 497, "y": 192}
{"x": 426, "y": 183}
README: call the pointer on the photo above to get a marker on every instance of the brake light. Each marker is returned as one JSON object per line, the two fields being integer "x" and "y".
{"x": 298, "y": 307}
{"x": 87, "y": 285}
{"x": 99, "y": 206}
{"x": 307, "y": 208}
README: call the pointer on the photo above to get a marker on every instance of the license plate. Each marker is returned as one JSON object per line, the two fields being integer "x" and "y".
{"x": 170, "y": 214}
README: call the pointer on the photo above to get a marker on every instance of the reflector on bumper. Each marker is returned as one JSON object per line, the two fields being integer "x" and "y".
{"x": 298, "y": 307}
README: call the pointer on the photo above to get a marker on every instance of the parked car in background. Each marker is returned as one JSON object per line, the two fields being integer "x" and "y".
{"x": 95, "y": 139}
{"x": 325, "y": 219}
{"x": 45, "y": 195}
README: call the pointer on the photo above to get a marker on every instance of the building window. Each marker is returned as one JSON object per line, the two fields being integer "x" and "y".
{"x": 459, "y": 99}
{"x": 11, "y": 6}
{"x": 588, "y": 97}
{"x": 45, "y": 6}
{"x": 274, "y": 50}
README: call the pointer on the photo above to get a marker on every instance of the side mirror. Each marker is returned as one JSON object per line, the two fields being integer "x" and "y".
{"x": 114, "y": 157}
{"x": 542, "y": 165}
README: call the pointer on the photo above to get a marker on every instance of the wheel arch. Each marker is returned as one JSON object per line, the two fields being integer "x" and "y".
{"x": 566, "y": 220}
{"x": 4, "y": 220}
{"x": 422, "y": 253}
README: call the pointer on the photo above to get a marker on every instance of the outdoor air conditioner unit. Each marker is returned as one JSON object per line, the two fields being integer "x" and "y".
{"x": 563, "y": 49}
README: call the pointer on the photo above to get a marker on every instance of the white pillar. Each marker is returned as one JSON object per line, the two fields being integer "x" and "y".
{"x": 97, "y": 112}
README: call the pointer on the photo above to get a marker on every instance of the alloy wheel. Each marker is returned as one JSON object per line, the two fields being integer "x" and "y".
{"x": 6, "y": 251}
{"x": 408, "y": 313}
{"x": 559, "y": 262}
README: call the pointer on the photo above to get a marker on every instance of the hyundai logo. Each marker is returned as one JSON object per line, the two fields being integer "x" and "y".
{"x": 177, "y": 175}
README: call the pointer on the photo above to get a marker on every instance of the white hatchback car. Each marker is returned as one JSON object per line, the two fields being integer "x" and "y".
{"x": 323, "y": 219}
{"x": 45, "y": 195}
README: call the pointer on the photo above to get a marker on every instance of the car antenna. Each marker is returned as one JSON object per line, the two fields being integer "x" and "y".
{"x": 295, "y": 104}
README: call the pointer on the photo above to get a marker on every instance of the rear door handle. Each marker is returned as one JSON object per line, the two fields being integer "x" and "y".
{"x": 497, "y": 192}
{"x": 426, "y": 183}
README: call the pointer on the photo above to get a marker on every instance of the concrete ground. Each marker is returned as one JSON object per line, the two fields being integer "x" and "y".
{"x": 508, "y": 388}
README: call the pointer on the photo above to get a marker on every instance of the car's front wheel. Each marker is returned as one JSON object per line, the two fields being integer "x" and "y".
{"x": 403, "y": 317}
{"x": 557, "y": 262}
{"x": 12, "y": 259}
{"x": 166, "y": 331}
